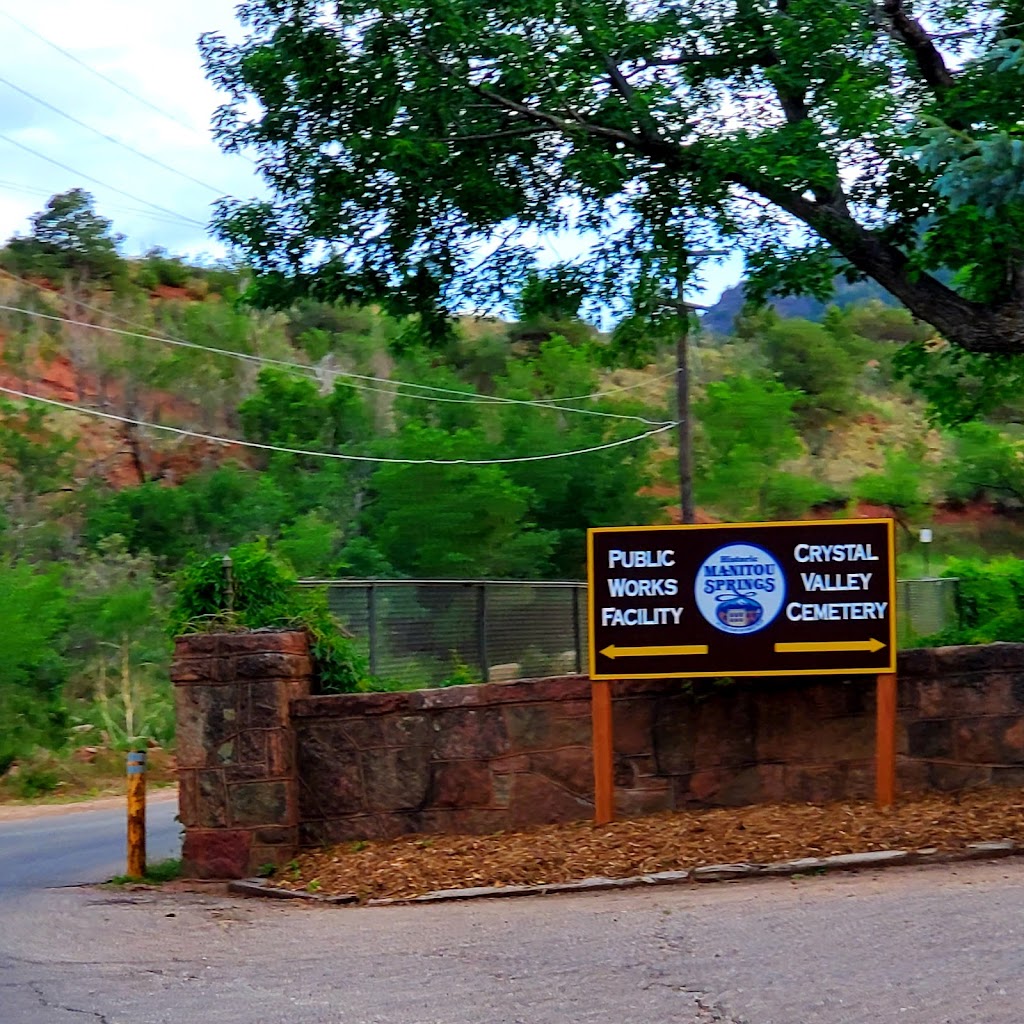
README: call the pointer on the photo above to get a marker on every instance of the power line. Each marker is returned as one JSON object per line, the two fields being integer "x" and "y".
{"x": 99, "y": 74}
{"x": 182, "y": 432}
{"x": 102, "y": 184}
{"x": 547, "y": 402}
{"x": 32, "y": 190}
{"x": 112, "y": 139}
{"x": 464, "y": 399}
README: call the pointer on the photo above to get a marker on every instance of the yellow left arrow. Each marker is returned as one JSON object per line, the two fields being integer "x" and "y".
{"x": 647, "y": 652}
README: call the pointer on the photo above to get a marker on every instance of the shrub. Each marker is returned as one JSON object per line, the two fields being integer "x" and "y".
{"x": 263, "y": 594}
{"x": 990, "y": 598}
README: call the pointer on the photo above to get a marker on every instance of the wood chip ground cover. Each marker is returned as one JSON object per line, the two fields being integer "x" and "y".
{"x": 418, "y": 864}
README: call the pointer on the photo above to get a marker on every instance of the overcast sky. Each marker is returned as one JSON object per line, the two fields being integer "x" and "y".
{"x": 150, "y": 50}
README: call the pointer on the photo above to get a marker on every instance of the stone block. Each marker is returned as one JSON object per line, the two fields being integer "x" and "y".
{"x": 196, "y": 645}
{"x": 919, "y": 662}
{"x": 533, "y": 727}
{"x": 538, "y": 800}
{"x": 189, "y": 671}
{"x": 1012, "y": 778}
{"x": 983, "y": 658}
{"x": 989, "y": 740}
{"x": 725, "y": 787}
{"x": 330, "y": 777}
{"x": 632, "y": 803}
{"x": 912, "y": 776}
{"x": 930, "y": 738}
{"x": 948, "y": 778}
{"x": 815, "y": 785}
{"x": 569, "y": 767}
{"x": 259, "y": 803}
{"x": 280, "y": 744}
{"x": 264, "y": 704}
{"x": 275, "y": 835}
{"x": 272, "y": 666}
{"x": 416, "y": 730}
{"x": 554, "y": 689}
{"x": 460, "y": 784}
{"x": 251, "y": 748}
{"x": 211, "y": 799}
{"x": 223, "y": 853}
{"x": 725, "y": 730}
{"x": 470, "y": 695}
{"x": 396, "y": 779}
{"x": 634, "y": 725}
{"x": 207, "y": 718}
{"x": 244, "y": 773}
{"x": 470, "y": 733}
{"x": 188, "y": 797}
{"x": 773, "y": 783}
{"x": 675, "y": 736}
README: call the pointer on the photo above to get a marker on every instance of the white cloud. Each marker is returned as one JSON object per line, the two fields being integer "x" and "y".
{"x": 151, "y": 51}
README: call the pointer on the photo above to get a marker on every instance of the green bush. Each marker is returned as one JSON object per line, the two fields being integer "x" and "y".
{"x": 990, "y": 597}
{"x": 263, "y": 594}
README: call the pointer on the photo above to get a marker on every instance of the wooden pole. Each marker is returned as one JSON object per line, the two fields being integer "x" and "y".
{"x": 137, "y": 814}
{"x": 604, "y": 764}
{"x": 885, "y": 741}
{"x": 687, "y": 512}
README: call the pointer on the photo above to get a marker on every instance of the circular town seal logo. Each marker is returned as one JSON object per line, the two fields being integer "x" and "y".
{"x": 740, "y": 588}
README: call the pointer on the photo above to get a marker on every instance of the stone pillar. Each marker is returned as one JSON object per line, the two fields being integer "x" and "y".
{"x": 238, "y": 787}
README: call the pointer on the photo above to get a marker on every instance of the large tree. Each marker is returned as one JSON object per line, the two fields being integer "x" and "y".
{"x": 405, "y": 140}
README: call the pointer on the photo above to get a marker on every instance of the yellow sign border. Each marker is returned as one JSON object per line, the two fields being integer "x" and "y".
{"x": 810, "y": 523}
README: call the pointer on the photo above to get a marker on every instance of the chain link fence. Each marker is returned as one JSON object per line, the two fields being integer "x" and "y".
{"x": 925, "y": 607}
{"x": 421, "y": 633}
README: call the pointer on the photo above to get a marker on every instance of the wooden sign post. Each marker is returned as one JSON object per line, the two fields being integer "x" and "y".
{"x": 885, "y": 741}
{"x": 742, "y": 599}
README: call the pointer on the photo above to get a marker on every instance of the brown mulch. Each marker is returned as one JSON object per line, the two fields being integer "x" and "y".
{"x": 414, "y": 865}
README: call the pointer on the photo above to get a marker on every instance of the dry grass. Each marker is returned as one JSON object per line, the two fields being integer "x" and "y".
{"x": 413, "y": 865}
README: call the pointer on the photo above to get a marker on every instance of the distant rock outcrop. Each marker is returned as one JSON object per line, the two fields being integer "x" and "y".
{"x": 721, "y": 316}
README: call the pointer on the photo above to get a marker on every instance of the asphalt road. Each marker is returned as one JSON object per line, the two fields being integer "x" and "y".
{"x": 937, "y": 945}
{"x": 78, "y": 846}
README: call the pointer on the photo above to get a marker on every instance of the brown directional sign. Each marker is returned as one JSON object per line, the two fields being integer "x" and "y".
{"x": 744, "y": 599}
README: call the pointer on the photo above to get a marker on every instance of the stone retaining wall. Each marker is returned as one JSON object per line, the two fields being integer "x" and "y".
{"x": 303, "y": 769}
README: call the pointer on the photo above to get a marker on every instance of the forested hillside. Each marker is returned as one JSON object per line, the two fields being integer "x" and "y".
{"x": 372, "y": 450}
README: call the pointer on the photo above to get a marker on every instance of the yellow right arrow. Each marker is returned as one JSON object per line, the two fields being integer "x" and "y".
{"x": 829, "y": 645}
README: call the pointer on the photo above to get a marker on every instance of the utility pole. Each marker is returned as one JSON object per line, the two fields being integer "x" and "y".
{"x": 684, "y": 432}
{"x": 687, "y": 513}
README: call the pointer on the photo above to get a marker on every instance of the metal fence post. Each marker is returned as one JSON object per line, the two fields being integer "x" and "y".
{"x": 481, "y": 631}
{"x": 371, "y": 625}
{"x": 576, "y": 629}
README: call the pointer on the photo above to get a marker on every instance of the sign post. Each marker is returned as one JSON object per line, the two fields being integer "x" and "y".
{"x": 744, "y": 599}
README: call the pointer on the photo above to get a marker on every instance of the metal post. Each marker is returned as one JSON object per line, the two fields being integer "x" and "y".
{"x": 371, "y": 625}
{"x": 137, "y": 814}
{"x": 576, "y": 629}
{"x": 229, "y": 584}
{"x": 481, "y": 631}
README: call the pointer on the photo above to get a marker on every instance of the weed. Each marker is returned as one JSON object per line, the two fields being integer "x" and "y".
{"x": 156, "y": 874}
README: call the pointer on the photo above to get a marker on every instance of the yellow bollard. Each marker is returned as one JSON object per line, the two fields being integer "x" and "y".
{"x": 137, "y": 813}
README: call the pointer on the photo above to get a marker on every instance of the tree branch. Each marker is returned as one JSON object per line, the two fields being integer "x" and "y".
{"x": 655, "y": 147}
{"x": 929, "y": 61}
